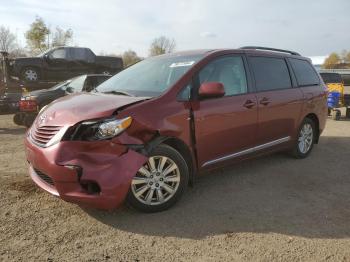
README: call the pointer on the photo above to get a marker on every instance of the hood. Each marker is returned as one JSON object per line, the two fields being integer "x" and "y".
{"x": 72, "y": 109}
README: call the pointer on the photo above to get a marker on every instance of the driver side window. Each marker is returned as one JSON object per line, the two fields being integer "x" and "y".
{"x": 227, "y": 70}
{"x": 59, "y": 54}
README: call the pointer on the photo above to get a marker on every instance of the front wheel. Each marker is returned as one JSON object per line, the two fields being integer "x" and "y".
{"x": 18, "y": 119}
{"x": 29, "y": 120}
{"x": 160, "y": 182}
{"x": 30, "y": 74}
{"x": 306, "y": 139}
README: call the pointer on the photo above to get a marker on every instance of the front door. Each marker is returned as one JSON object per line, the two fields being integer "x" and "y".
{"x": 226, "y": 126}
{"x": 57, "y": 65}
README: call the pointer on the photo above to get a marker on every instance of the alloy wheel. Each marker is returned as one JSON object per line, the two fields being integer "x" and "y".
{"x": 30, "y": 75}
{"x": 156, "y": 181}
{"x": 305, "y": 139}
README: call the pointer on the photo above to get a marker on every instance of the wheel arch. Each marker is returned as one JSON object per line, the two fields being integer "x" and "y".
{"x": 184, "y": 150}
{"x": 178, "y": 145}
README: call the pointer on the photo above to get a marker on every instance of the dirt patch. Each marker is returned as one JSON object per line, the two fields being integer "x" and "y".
{"x": 24, "y": 186}
{"x": 272, "y": 208}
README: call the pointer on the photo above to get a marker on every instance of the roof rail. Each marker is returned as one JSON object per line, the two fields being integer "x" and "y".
{"x": 270, "y": 49}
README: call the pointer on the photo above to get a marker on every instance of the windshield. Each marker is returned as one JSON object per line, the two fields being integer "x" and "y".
{"x": 331, "y": 78}
{"x": 43, "y": 53}
{"x": 60, "y": 85}
{"x": 150, "y": 77}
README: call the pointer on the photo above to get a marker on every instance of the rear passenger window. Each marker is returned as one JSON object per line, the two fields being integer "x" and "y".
{"x": 227, "y": 70}
{"x": 270, "y": 73}
{"x": 304, "y": 72}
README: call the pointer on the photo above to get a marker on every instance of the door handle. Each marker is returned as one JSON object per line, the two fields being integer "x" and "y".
{"x": 249, "y": 104}
{"x": 265, "y": 101}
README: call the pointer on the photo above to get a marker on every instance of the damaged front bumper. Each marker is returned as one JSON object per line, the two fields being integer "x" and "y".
{"x": 95, "y": 174}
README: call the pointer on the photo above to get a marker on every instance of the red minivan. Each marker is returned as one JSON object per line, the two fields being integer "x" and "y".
{"x": 146, "y": 132}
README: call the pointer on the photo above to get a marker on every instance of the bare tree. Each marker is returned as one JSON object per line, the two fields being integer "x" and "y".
{"x": 7, "y": 39}
{"x": 61, "y": 37}
{"x": 18, "y": 52}
{"x": 162, "y": 45}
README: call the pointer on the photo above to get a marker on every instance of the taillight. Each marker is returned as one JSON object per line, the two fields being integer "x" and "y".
{"x": 28, "y": 106}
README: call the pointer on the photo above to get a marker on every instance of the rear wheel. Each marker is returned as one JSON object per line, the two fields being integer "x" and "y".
{"x": 160, "y": 182}
{"x": 336, "y": 114}
{"x": 306, "y": 139}
{"x": 348, "y": 112}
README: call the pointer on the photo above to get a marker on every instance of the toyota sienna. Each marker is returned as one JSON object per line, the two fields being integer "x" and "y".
{"x": 148, "y": 131}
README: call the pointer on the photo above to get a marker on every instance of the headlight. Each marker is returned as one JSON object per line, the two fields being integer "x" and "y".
{"x": 113, "y": 128}
{"x": 98, "y": 129}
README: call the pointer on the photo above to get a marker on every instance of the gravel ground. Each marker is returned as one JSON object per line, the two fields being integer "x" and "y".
{"x": 272, "y": 208}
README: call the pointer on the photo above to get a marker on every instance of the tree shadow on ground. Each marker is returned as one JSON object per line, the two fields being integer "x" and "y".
{"x": 276, "y": 193}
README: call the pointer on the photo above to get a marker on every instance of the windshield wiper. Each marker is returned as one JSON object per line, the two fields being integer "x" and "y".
{"x": 114, "y": 92}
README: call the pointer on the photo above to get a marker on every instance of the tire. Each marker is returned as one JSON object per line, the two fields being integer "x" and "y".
{"x": 30, "y": 74}
{"x": 18, "y": 119}
{"x": 329, "y": 111}
{"x": 152, "y": 191}
{"x": 336, "y": 114}
{"x": 348, "y": 112}
{"x": 29, "y": 120}
{"x": 299, "y": 151}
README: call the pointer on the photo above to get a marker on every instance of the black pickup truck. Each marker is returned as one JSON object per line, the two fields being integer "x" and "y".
{"x": 62, "y": 63}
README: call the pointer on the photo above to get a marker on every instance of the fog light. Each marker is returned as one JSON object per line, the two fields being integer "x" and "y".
{"x": 90, "y": 187}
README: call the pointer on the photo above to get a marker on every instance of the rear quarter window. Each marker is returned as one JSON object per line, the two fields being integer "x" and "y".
{"x": 304, "y": 72}
{"x": 270, "y": 73}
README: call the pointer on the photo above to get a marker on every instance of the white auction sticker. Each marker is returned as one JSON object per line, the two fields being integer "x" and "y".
{"x": 179, "y": 64}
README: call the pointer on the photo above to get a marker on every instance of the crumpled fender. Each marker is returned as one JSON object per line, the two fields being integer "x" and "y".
{"x": 109, "y": 164}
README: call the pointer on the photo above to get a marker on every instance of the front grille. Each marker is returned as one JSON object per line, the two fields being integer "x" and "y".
{"x": 43, "y": 134}
{"x": 43, "y": 177}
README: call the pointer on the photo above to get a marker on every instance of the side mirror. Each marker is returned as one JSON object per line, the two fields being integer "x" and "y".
{"x": 69, "y": 90}
{"x": 211, "y": 90}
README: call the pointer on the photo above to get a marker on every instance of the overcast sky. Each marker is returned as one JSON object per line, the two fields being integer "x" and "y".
{"x": 311, "y": 27}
